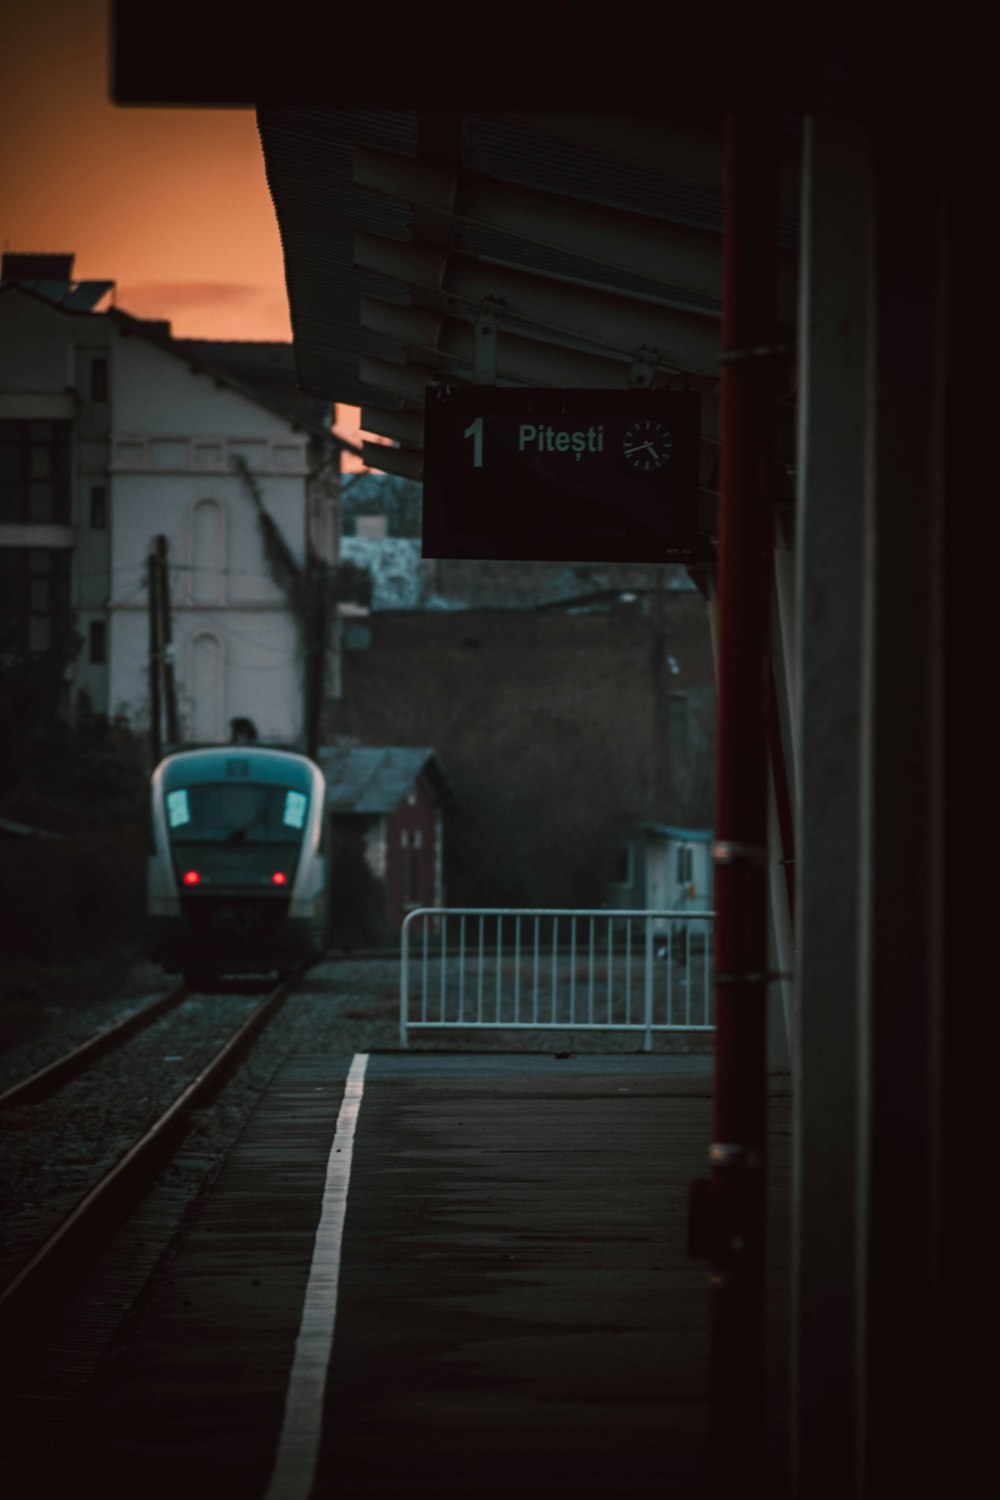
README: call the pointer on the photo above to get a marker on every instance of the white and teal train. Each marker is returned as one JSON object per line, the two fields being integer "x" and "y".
{"x": 237, "y": 876}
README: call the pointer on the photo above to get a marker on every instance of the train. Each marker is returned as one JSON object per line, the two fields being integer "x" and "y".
{"x": 237, "y": 878}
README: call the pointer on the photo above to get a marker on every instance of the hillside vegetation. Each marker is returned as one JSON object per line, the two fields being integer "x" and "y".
{"x": 72, "y": 852}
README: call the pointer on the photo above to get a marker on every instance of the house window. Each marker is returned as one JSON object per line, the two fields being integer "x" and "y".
{"x": 98, "y": 641}
{"x": 98, "y": 380}
{"x": 98, "y": 507}
{"x": 35, "y": 472}
{"x": 374, "y": 528}
{"x": 356, "y": 637}
{"x": 411, "y": 843}
{"x": 34, "y": 600}
{"x": 685, "y": 864}
{"x": 623, "y": 866}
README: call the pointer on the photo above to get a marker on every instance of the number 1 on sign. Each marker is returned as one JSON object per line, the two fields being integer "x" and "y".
{"x": 475, "y": 432}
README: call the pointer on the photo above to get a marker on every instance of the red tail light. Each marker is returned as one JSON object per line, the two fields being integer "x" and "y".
{"x": 191, "y": 877}
{"x": 279, "y": 877}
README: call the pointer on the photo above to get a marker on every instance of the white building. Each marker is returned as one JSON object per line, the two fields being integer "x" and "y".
{"x": 665, "y": 868}
{"x": 113, "y": 434}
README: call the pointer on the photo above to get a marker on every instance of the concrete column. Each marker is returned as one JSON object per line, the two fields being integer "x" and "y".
{"x": 833, "y": 414}
{"x": 900, "y": 875}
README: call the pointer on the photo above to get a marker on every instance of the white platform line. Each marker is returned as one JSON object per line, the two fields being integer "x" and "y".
{"x": 298, "y": 1446}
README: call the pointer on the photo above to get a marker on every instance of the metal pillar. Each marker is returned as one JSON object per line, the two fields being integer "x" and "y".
{"x": 728, "y": 1213}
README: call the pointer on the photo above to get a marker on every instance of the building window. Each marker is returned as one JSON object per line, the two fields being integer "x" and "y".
{"x": 411, "y": 843}
{"x": 98, "y": 507}
{"x": 623, "y": 865}
{"x": 98, "y": 380}
{"x": 207, "y": 553}
{"x": 374, "y": 528}
{"x": 685, "y": 864}
{"x": 35, "y": 472}
{"x": 98, "y": 641}
{"x": 34, "y": 600}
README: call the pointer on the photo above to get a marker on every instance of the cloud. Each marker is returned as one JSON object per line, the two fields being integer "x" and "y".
{"x": 170, "y": 295}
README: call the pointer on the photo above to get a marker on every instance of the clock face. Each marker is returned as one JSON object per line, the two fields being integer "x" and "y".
{"x": 647, "y": 444}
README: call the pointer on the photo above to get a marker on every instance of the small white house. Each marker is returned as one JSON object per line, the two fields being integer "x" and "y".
{"x": 665, "y": 868}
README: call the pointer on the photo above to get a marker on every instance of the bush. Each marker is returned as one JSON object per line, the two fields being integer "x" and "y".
{"x": 72, "y": 897}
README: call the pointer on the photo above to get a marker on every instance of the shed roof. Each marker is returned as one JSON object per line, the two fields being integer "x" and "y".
{"x": 375, "y": 779}
{"x": 684, "y": 835}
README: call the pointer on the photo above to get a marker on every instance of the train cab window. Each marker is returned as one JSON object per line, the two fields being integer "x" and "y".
{"x": 295, "y": 809}
{"x": 249, "y": 813}
{"x": 178, "y": 812}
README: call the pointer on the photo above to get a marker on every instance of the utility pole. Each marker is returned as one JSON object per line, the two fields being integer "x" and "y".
{"x": 169, "y": 682}
{"x": 315, "y": 659}
{"x": 153, "y": 581}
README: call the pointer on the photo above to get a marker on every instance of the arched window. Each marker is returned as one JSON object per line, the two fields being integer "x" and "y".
{"x": 207, "y": 688}
{"x": 207, "y": 553}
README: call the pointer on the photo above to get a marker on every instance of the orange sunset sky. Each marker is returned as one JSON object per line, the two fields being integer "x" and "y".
{"x": 170, "y": 204}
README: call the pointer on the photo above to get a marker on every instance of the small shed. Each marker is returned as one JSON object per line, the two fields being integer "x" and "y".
{"x": 664, "y": 867}
{"x": 386, "y": 809}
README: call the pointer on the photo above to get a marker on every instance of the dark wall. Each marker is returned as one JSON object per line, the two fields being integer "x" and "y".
{"x": 357, "y": 896}
{"x": 557, "y": 733}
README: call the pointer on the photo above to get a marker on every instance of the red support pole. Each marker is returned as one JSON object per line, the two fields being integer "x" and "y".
{"x": 737, "y": 1190}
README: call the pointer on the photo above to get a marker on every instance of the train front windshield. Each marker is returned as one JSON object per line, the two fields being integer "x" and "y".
{"x": 222, "y": 813}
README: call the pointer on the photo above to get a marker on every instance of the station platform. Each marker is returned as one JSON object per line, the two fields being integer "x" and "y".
{"x": 516, "y": 1314}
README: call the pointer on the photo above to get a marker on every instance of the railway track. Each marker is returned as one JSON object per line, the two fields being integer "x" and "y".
{"x": 46, "y": 1080}
{"x": 64, "y": 1256}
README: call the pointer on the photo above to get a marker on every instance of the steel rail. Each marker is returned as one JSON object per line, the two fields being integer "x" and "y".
{"x": 72, "y": 1064}
{"x": 77, "y": 1241}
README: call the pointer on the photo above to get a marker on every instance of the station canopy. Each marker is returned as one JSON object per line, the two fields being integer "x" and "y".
{"x": 529, "y": 249}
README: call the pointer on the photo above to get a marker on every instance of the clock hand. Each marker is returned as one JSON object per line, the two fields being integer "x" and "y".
{"x": 641, "y": 445}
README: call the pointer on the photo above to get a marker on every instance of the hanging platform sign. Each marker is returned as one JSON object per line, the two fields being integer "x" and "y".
{"x": 546, "y": 475}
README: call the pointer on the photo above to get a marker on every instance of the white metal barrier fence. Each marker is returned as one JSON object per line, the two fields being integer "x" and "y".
{"x": 507, "y": 969}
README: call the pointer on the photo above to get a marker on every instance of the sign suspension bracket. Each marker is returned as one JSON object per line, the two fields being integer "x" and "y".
{"x": 484, "y": 350}
{"x": 643, "y": 369}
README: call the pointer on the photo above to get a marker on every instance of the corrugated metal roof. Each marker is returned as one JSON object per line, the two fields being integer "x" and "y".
{"x": 370, "y": 779}
{"x": 307, "y": 154}
{"x": 658, "y": 173}
{"x": 493, "y": 244}
{"x": 685, "y": 835}
{"x": 516, "y": 152}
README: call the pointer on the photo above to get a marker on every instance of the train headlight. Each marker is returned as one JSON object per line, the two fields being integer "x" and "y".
{"x": 191, "y": 877}
{"x": 279, "y": 877}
